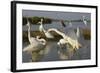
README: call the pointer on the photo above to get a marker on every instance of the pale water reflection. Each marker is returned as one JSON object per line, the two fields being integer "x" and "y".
{"x": 53, "y": 52}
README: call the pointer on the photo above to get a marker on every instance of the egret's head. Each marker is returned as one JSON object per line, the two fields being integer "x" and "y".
{"x": 28, "y": 23}
{"x": 41, "y": 19}
{"x": 40, "y": 22}
{"x": 83, "y": 17}
{"x": 38, "y": 37}
{"x": 43, "y": 41}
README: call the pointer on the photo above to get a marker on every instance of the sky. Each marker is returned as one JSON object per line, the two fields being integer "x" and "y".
{"x": 56, "y": 15}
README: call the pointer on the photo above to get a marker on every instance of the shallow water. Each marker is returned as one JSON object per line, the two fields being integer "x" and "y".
{"x": 53, "y": 52}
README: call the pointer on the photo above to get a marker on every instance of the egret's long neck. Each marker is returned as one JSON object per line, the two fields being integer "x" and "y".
{"x": 29, "y": 35}
{"x": 43, "y": 27}
{"x": 60, "y": 33}
{"x": 78, "y": 32}
{"x": 42, "y": 40}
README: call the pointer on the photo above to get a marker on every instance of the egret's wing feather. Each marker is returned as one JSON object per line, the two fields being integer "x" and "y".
{"x": 49, "y": 35}
{"x": 73, "y": 39}
{"x": 34, "y": 40}
{"x": 28, "y": 48}
{"x": 71, "y": 33}
{"x": 31, "y": 47}
{"x": 35, "y": 45}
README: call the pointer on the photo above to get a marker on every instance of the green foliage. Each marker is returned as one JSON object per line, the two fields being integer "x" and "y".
{"x": 35, "y": 20}
{"x": 24, "y": 21}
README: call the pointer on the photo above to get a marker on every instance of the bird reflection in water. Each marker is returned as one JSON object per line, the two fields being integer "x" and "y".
{"x": 37, "y": 56}
{"x": 65, "y": 52}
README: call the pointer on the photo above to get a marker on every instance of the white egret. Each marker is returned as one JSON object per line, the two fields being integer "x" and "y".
{"x": 67, "y": 39}
{"x": 70, "y": 24}
{"x": 41, "y": 28}
{"x": 69, "y": 30}
{"x": 84, "y": 20}
{"x": 41, "y": 25}
{"x": 68, "y": 44}
{"x": 31, "y": 39}
{"x": 35, "y": 43}
{"x": 77, "y": 29}
{"x": 78, "y": 32}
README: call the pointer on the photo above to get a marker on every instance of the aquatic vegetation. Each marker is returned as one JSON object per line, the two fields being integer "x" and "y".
{"x": 35, "y": 33}
{"x": 34, "y": 20}
{"x": 85, "y": 32}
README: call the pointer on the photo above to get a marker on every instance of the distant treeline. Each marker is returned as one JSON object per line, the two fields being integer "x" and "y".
{"x": 35, "y": 20}
{"x": 79, "y": 20}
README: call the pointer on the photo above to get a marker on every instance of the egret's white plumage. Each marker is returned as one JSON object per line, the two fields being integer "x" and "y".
{"x": 36, "y": 47}
{"x": 68, "y": 44}
{"x": 78, "y": 32}
{"x": 67, "y": 39}
{"x": 41, "y": 28}
{"x": 31, "y": 39}
{"x": 62, "y": 41}
{"x": 35, "y": 43}
{"x": 84, "y": 20}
